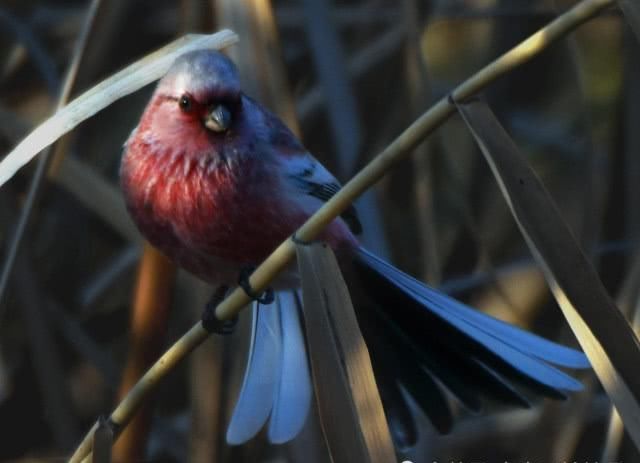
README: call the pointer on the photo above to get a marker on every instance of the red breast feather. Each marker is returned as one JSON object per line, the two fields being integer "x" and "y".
{"x": 203, "y": 208}
{"x": 212, "y": 202}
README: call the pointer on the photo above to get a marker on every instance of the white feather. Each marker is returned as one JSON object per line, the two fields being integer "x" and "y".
{"x": 293, "y": 394}
{"x": 261, "y": 376}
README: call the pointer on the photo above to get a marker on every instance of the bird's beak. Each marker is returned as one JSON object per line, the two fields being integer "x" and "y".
{"x": 218, "y": 119}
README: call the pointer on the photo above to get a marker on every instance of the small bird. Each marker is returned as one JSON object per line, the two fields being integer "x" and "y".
{"x": 216, "y": 181}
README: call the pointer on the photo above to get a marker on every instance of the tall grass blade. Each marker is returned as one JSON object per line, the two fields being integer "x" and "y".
{"x": 349, "y": 404}
{"x": 127, "y": 81}
{"x": 602, "y": 331}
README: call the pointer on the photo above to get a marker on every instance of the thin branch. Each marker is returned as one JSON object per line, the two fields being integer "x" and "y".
{"x": 398, "y": 149}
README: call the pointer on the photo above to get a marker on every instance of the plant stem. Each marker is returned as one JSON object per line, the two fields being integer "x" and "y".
{"x": 398, "y": 149}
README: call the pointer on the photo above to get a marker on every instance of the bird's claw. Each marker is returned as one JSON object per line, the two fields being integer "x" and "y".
{"x": 267, "y": 296}
{"x": 213, "y": 324}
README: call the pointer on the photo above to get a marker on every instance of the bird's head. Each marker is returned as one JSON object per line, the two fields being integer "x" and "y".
{"x": 203, "y": 86}
{"x": 198, "y": 103}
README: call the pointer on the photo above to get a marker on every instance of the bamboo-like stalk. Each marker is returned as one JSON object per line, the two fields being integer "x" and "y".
{"x": 402, "y": 146}
{"x": 398, "y": 149}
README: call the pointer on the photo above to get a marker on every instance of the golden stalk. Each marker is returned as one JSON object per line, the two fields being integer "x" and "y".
{"x": 398, "y": 149}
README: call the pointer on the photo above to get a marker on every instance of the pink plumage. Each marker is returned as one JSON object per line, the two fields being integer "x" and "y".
{"x": 217, "y": 201}
{"x": 216, "y": 182}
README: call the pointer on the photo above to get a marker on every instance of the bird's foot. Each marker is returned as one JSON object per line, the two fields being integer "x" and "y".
{"x": 210, "y": 322}
{"x": 267, "y": 296}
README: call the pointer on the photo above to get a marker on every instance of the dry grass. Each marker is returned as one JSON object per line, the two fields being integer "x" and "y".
{"x": 577, "y": 127}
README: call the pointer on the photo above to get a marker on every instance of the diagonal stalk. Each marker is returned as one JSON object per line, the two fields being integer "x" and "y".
{"x": 399, "y": 148}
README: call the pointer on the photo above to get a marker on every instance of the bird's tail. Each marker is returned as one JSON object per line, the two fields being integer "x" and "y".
{"x": 277, "y": 383}
{"x": 425, "y": 343}
{"x": 422, "y": 343}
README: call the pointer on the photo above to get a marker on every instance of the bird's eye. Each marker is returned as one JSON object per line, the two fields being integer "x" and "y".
{"x": 185, "y": 103}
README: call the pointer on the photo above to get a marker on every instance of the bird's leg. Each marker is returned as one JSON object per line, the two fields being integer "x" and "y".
{"x": 265, "y": 298}
{"x": 210, "y": 322}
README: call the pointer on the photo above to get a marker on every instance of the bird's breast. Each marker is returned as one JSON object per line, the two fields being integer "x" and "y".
{"x": 206, "y": 213}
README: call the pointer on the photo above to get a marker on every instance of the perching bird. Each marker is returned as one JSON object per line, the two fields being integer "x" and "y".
{"x": 216, "y": 182}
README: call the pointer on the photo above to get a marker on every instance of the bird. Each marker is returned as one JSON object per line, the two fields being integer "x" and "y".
{"x": 216, "y": 181}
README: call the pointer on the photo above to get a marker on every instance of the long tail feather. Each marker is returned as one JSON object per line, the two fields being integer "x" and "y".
{"x": 260, "y": 381}
{"x": 421, "y": 341}
{"x": 528, "y": 342}
{"x": 472, "y": 354}
{"x": 277, "y": 382}
{"x": 293, "y": 395}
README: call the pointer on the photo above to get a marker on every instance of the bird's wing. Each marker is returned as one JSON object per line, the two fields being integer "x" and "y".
{"x": 305, "y": 180}
{"x": 311, "y": 184}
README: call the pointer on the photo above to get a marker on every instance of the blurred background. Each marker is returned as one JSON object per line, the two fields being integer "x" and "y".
{"x": 86, "y": 306}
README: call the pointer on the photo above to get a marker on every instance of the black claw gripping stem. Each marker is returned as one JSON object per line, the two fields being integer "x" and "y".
{"x": 210, "y": 322}
{"x": 266, "y": 298}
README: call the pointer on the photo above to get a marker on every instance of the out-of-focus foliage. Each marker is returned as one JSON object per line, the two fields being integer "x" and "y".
{"x": 574, "y": 111}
